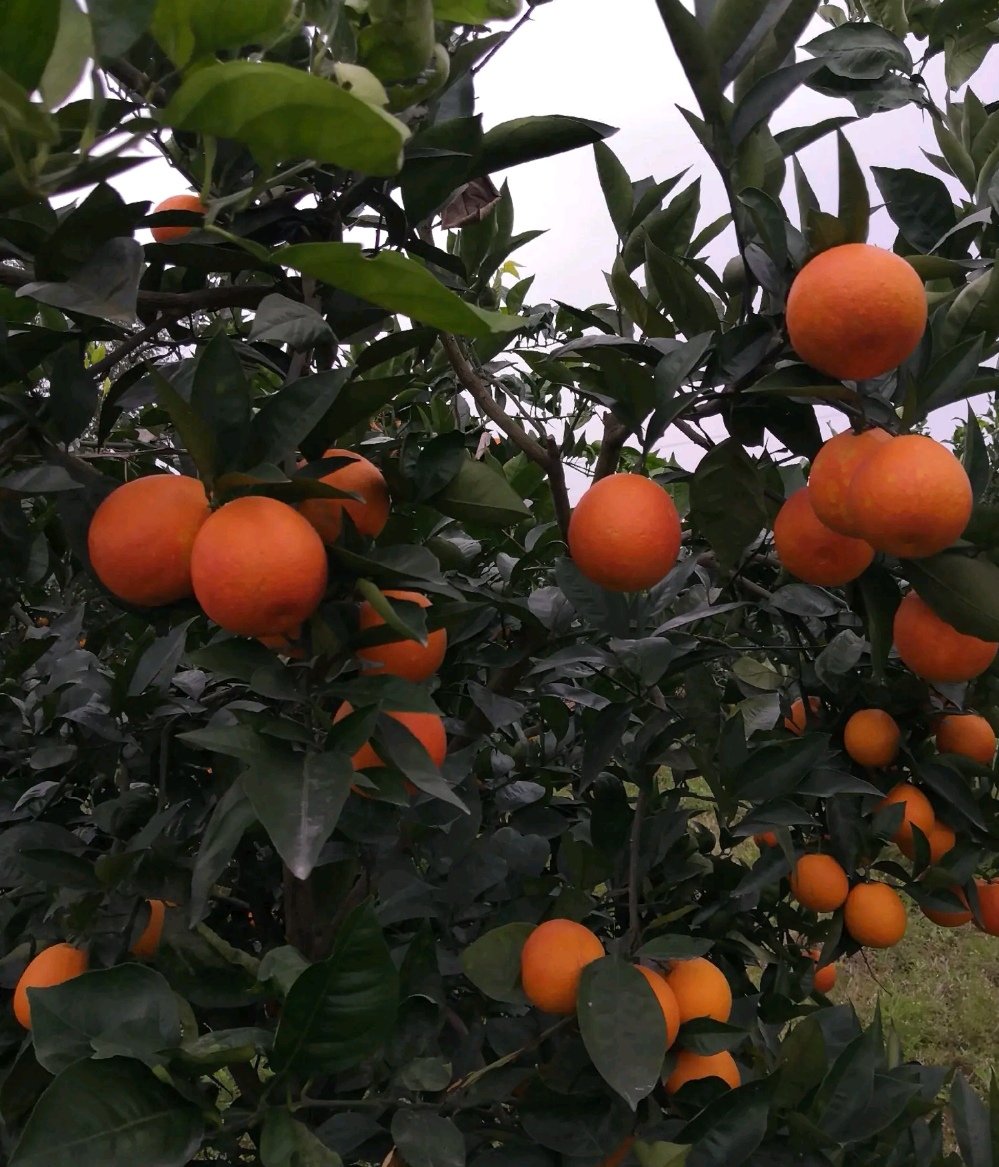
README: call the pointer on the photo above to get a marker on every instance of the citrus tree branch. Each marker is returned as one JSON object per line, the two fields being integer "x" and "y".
{"x": 616, "y": 433}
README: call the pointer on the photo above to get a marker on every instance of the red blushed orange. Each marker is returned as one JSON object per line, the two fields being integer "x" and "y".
{"x": 934, "y": 649}
{"x": 808, "y": 549}
{"x": 832, "y": 472}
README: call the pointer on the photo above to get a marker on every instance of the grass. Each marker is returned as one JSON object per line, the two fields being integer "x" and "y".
{"x": 939, "y": 988}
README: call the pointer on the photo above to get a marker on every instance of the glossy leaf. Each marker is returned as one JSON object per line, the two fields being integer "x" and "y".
{"x": 492, "y": 963}
{"x": 30, "y": 28}
{"x": 530, "y": 138}
{"x": 699, "y": 63}
{"x": 286, "y": 1142}
{"x": 963, "y": 590}
{"x": 726, "y": 501}
{"x": 283, "y": 321}
{"x": 767, "y": 95}
{"x": 118, "y": 24}
{"x": 854, "y": 199}
{"x": 616, "y": 185}
{"x": 428, "y": 1140}
{"x": 919, "y": 204}
{"x": 479, "y": 494}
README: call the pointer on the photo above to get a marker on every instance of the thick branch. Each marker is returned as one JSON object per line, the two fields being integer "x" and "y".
{"x": 471, "y": 381}
{"x": 560, "y": 494}
{"x": 616, "y": 433}
{"x": 634, "y": 858}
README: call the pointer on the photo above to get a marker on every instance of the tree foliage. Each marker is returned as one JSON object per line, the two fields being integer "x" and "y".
{"x": 338, "y": 976}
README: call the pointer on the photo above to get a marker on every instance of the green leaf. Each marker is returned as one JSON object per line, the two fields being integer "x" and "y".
{"x": 118, "y": 24}
{"x": 890, "y": 14}
{"x": 186, "y": 28}
{"x": 492, "y": 963}
{"x": 528, "y": 139}
{"x": 220, "y": 396}
{"x": 286, "y": 1142}
{"x": 919, "y": 204}
{"x": 699, "y": 64}
{"x": 854, "y": 199}
{"x": 427, "y": 1140}
{"x": 298, "y": 802}
{"x": 791, "y": 141}
{"x": 110, "y": 1113}
{"x": 480, "y": 494}
{"x": 226, "y": 1047}
{"x": 731, "y": 1127}
{"x": 684, "y": 300}
{"x": 949, "y": 379}
{"x": 106, "y": 286}
{"x": 706, "y": 1036}
{"x": 339, "y": 1011}
{"x": 962, "y": 590}
{"x": 282, "y": 113}
{"x": 767, "y": 95}
{"x": 69, "y": 57}
{"x": 727, "y": 507}
{"x": 616, "y": 185}
{"x": 476, "y": 11}
{"x": 971, "y": 1124}
{"x": 622, "y": 1026}
{"x": 232, "y": 815}
{"x": 737, "y": 28}
{"x": 975, "y": 457}
{"x": 396, "y": 283}
{"x": 30, "y": 28}
{"x": 128, "y": 1010}
{"x": 861, "y": 52}
{"x": 286, "y": 418}
{"x": 283, "y": 321}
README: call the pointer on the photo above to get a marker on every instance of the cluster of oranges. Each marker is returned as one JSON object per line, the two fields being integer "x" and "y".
{"x": 557, "y": 951}
{"x": 62, "y": 962}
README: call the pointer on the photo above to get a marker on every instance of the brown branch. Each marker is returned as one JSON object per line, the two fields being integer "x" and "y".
{"x": 127, "y": 347}
{"x": 634, "y": 902}
{"x": 695, "y": 437}
{"x": 616, "y": 433}
{"x": 560, "y": 494}
{"x": 131, "y": 78}
{"x": 471, "y": 381}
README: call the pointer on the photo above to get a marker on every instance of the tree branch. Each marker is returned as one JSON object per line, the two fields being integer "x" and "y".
{"x": 634, "y": 856}
{"x": 698, "y": 439}
{"x": 127, "y": 347}
{"x": 560, "y": 494}
{"x": 616, "y": 433}
{"x": 471, "y": 381}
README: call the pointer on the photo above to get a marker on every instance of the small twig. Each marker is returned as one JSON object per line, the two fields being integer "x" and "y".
{"x": 698, "y": 439}
{"x": 634, "y": 907}
{"x": 471, "y": 381}
{"x": 127, "y": 347}
{"x": 616, "y": 433}
{"x": 560, "y": 494}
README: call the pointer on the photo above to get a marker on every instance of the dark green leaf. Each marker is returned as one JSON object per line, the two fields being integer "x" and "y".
{"x": 395, "y": 283}
{"x": 528, "y": 139}
{"x": 118, "y": 24}
{"x": 29, "y": 35}
{"x": 727, "y": 506}
{"x": 283, "y": 321}
{"x": 282, "y": 113}
{"x": 220, "y": 396}
{"x": 675, "y": 947}
{"x": 791, "y": 141}
{"x": 854, "y": 200}
{"x": 298, "y": 801}
{"x": 479, "y": 494}
{"x": 286, "y": 1142}
{"x": 861, "y": 52}
{"x": 964, "y": 591}
{"x": 157, "y": 665}
{"x": 696, "y": 58}
{"x": 286, "y": 419}
{"x": 616, "y": 185}
{"x": 706, "y": 1036}
{"x": 737, "y": 28}
{"x": 73, "y": 394}
{"x": 975, "y": 456}
{"x": 106, "y": 286}
{"x": 128, "y": 1010}
{"x": 339, "y": 1011}
{"x": 731, "y": 1127}
{"x": 949, "y": 379}
{"x": 427, "y": 1140}
{"x": 971, "y": 1124}
{"x": 684, "y": 300}
{"x": 113, "y": 1112}
{"x": 622, "y": 1026}
{"x": 919, "y": 204}
{"x": 224, "y": 1047}
{"x": 232, "y": 815}
{"x": 492, "y": 963}
{"x": 194, "y": 433}
{"x": 767, "y": 95}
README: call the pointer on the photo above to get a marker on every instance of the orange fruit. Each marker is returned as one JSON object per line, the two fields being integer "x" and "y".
{"x": 700, "y": 988}
{"x": 692, "y": 1067}
{"x": 369, "y": 514}
{"x": 258, "y": 568}
{"x": 625, "y": 533}
{"x": 955, "y": 919}
{"x": 667, "y": 1002}
{"x": 182, "y": 202}
{"x": 617, "y": 1158}
{"x": 940, "y": 839}
{"x": 551, "y": 962}
{"x": 988, "y": 906}
{"x": 427, "y": 728}
{"x": 874, "y": 915}
{"x": 933, "y": 649}
{"x": 967, "y": 734}
{"x": 819, "y": 883}
{"x": 402, "y": 658}
{"x": 797, "y": 723}
{"x": 767, "y": 839}
{"x": 825, "y": 977}
{"x": 856, "y": 311}
{"x": 141, "y": 536}
{"x": 50, "y": 967}
{"x": 918, "y": 812}
{"x": 910, "y": 498}
{"x": 808, "y": 549}
{"x": 871, "y": 737}
{"x": 284, "y": 643}
{"x": 832, "y": 472}
{"x": 145, "y": 947}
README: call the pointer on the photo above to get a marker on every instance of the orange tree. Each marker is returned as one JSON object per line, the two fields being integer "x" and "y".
{"x": 361, "y": 802}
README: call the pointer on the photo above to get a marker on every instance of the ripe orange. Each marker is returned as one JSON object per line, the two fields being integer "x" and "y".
{"x": 875, "y": 915}
{"x": 141, "y": 536}
{"x": 797, "y": 723}
{"x": 967, "y": 734}
{"x": 284, "y": 643}
{"x": 667, "y": 1002}
{"x": 145, "y": 947}
{"x": 551, "y": 963}
{"x": 402, "y": 658}
{"x": 691, "y": 1067}
{"x": 51, "y": 967}
{"x": 617, "y": 1157}
{"x": 700, "y": 988}
{"x": 767, "y": 839}
{"x": 856, "y": 311}
{"x": 940, "y": 839}
{"x": 182, "y": 202}
{"x": 819, "y": 883}
{"x": 361, "y": 477}
{"x": 258, "y": 568}
{"x": 427, "y": 728}
{"x": 871, "y": 737}
{"x": 832, "y": 472}
{"x": 955, "y": 919}
{"x": 933, "y": 649}
{"x": 911, "y": 498}
{"x": 918, "y": 811}
{"x": 808, "y": 549}
{"x": 625, "y": 533}
{"x": 825, "y": 977}
{"x": 988, "y": 906}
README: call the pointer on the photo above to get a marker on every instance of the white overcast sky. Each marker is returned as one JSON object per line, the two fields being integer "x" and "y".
{"x": 572, "y": 59}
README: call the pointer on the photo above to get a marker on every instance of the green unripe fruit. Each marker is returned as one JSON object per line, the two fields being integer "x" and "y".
{"x": 403, "y": 96}
{"x": 398, "y": 43}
